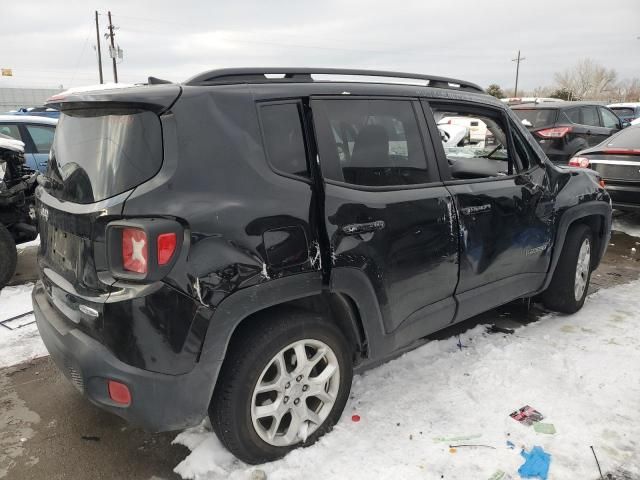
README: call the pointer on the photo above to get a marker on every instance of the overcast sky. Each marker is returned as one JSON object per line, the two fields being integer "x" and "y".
{"x": 51, "y": 43}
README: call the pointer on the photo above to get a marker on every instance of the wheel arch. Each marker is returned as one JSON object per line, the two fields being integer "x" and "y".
{"x": 303, "y": 291}
{"x": 597, "y": 216}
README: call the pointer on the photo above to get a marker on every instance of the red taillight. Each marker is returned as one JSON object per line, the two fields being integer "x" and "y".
{"x": 134, "y": 250}
{"x": 166, "y": 247}
{"x": 119, "y": 392}
{"x": 582, "y": 162}
{"x": 622, "y": 151}
{"x": 556, "y": 132}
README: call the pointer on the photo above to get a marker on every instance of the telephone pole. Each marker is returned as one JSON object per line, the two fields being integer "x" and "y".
{"x": 112, "y": 50}
{"x": 517, "y": 60}
{"x": 99, "y": 51}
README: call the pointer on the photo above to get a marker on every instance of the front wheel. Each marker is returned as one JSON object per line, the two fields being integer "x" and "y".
{"x": 570, "y": 283}
{"x": 284, "y": 384}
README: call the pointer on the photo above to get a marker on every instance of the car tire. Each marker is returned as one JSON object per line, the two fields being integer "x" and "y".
{"x": 237, "y": 411}
{"x": 570, "y": 283}
{"x": 8, "y": 256}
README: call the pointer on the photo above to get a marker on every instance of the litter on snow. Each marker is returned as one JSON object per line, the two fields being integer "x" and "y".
{"x": 547, "y": 428}
{"x": 536, "y": 464}
{"x": 527, "y": 415}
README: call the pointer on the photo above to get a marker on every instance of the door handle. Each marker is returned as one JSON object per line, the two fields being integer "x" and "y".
{"x": 357, "y": 228}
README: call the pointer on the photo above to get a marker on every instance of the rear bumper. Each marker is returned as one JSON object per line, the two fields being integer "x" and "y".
{"x": 160, "y": 402}
{"x": 624, "y": 196}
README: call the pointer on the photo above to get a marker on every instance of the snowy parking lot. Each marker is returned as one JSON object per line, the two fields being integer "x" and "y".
{"x": 440, "y": 411}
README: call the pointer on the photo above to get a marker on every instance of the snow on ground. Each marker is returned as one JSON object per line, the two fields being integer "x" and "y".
{"x": 628, "y": 223}
{"x": 32, "y": 243}
{"x": 23, "y": 342}
{"x": 580, "y": 371}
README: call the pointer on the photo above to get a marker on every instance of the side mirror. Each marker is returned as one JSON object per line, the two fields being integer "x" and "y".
{"x": 624, "y": 124}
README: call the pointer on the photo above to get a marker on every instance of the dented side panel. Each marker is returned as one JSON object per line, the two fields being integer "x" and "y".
{"x": 410, "y": 257}
{"x": 220, "y": 186}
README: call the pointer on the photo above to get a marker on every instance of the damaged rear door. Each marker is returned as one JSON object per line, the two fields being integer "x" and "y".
{"x": 387, "y": 216}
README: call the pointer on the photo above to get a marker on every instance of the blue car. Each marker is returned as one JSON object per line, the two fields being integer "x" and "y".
{"x": 37, "y": 134}
{"x": 38, "y": 111}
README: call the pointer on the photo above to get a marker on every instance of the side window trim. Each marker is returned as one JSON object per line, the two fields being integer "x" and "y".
{"x": 29, "y": 144}
{"x": 305, "y": 138}
{"x": 425, "y": 141}
{"x": 537, "y": 162}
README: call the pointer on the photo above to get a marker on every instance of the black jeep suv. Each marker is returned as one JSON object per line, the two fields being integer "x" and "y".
{"x": 240, "y": 243}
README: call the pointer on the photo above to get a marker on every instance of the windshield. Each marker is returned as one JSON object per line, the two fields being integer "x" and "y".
{"x": 537, "y": 117}
{"x": 623, "y": 112}
{"x": 99, "y": 153}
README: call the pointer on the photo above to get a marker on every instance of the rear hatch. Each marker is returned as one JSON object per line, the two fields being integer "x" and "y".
{"x": 106, "y": 144}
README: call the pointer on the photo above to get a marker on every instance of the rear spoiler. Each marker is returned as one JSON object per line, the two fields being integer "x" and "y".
{"x": 157, "y": 98}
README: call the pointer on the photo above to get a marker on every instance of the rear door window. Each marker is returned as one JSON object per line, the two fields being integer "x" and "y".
{"x": 574, "y": 115}
{"x": 370, "y": 142}
{"x": 590, "y": 116}
{"x": 99, "y": 153}
{"x": 283, "y": 137}
{"x": 11, "y": 130}
{"x": 609, "y": 120}
{"x": 42, "y": 137}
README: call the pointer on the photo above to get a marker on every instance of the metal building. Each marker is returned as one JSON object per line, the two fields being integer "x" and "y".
{"x": 12, "y": 98}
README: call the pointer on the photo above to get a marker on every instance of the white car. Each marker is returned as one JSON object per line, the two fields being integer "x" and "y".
{"x": 477, "y": 128}
{"x": 452, "y": 135}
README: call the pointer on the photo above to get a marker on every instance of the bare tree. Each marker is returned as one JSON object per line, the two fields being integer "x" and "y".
{"x": 628, "y": 90}
{"x": 587, "y": 80}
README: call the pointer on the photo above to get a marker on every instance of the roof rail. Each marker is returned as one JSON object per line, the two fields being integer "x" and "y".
{"x": 259, "y": 75}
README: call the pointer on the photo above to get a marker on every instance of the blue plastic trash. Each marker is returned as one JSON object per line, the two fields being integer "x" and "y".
{"x": 536, "y": 464}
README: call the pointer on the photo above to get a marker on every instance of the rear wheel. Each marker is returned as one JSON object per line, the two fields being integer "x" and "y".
{"x": 8, "y": 256}
{"x": 284, "y": 384}
{"x": 570, "y": 283}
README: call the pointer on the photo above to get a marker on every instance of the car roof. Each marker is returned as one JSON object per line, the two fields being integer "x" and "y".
{"x": 28, "y": 119}
{"x": 556, "y": 105}
{"x": 624, "y": 104}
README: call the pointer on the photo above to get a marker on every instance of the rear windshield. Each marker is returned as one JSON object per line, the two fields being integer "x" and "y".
{"x": 627, "y": 138}
{"x": 623, "y": 111}
{"x": 99, "y": 153}
{"x": 536, "y": 117}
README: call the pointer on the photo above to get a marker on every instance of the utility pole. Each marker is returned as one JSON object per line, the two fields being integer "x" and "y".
{"x": 517, "y": 60}
{"x": 99, "y": 51}
{"x": 112, "y": 50}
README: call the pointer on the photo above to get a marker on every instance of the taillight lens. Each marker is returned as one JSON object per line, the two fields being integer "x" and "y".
{"x": 622, "y": 151}
{"x": 135, "y": 252}
{"x": 166, "y": 246}
{"x": 582, "y": 162}
{"x": 119, "y": 393}
{"x": 556, "y": 132}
